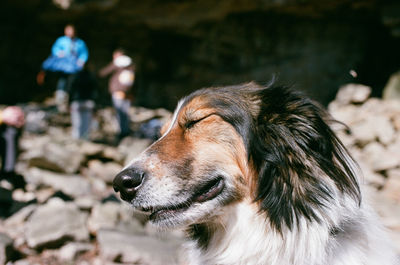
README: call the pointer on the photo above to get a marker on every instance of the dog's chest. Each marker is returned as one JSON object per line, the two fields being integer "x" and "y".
{"x": 239, "y": 238}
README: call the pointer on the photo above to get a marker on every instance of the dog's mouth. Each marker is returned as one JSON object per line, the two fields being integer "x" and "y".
{"x": 205, "y": 193}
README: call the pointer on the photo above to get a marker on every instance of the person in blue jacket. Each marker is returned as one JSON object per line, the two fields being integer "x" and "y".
{"x": 68, "y": 56}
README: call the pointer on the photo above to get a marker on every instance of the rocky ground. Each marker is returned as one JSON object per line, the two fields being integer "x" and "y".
{"x": 69, "y": 213}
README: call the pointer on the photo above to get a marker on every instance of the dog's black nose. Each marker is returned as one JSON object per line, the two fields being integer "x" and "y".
{"x": 127, "y": 183}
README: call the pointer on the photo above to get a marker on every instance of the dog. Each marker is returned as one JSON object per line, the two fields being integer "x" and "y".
{"x": 256, "y": 176}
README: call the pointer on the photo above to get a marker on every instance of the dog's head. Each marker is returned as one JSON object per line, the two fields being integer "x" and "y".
{"x": 270, "y": 146}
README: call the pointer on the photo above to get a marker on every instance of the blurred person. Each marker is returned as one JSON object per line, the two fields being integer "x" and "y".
{"x": 83, "y": 92}
{"x": 68, "y": 56}
{"x": 11, "y": 121}
{"x": 122, "y": 73}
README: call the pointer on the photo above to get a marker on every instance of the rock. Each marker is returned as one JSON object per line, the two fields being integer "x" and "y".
{"x": 130, "y": 248}
{"x": 379, "y": 158}
{"x": 85, "y": 203}
{"x": 15, "y": 223}
{"x": 109, "y": 215}
{"x": 6, "y": 248}
{"x": 111, "y": 153}
{"x": 386, "y": 207}
{"x": 72, "y": 185}
{"x": 383, "y": 129}
{"x": 392, "y": 186}
{"x": 352, "y": 93}
{"x": 55, "y": 157}
{"x": 54, "y": 223}
{"x": 36, "y": 121}
{"x": 103, "y": 216}
{"x": 70, "y": 251}
{"x": 132, "y": 147}
{"x": 392, "y": 88}
{"x": 105, "y": 171}
{"x": 373, "y": 178}
{"x": 364, "y": 132}
{"x": 91, "y": 149}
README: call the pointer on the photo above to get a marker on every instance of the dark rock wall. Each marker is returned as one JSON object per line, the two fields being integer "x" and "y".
{"x": 180, "y": 46}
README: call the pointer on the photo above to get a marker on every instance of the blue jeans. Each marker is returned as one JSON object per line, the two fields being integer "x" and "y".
{"x": 122, "y": 108}
{"x": 62, "y": 89}
{"x": 81, "y": 118}
{"x": 8, "y": 148}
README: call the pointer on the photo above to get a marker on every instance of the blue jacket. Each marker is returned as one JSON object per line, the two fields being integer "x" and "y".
{"x": 74, "y": 55}
{"x": 70, "y": 47}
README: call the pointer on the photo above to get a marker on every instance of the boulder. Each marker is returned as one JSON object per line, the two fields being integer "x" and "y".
{"x": 111, "y": 215}
{"x": 130, "y": 248}
{"x": 392, "y": 186}
{"x": 392, "y": 88}
{"x": 54, "y": 223}
{"x": 132, "y": 147}
{"x": 56, "y": 157}
{"x": 15, "y": 223}
{"x": 105, "y": 171}
{"x": 352, "y": 93}
{"x": 72, "y": 185}
{"x": 70, "y": 251}
{"x": 6, "y": 248}
{"x": 379, "y": 158}
{"x": 103, "y": 216}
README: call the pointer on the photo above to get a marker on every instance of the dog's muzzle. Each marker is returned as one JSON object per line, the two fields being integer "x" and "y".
{"x": 127, "y": 182}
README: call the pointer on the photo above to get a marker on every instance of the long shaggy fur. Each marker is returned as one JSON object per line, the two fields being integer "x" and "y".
{"x": 256, "y": 176}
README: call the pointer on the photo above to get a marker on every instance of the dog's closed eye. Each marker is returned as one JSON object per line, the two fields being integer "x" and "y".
{"x": 191, "y": 123}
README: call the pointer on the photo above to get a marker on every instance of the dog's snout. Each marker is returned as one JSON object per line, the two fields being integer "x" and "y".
{"x": 127, "y": 183}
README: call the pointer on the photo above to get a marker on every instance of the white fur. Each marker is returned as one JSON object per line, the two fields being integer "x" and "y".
{"x": 244, "y": 237}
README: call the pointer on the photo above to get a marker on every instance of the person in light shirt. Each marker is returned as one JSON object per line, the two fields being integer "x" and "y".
{"x": 122, "y": 71}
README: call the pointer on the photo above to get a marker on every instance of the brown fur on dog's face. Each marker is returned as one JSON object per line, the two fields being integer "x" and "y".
{"x": 199, "y": 154}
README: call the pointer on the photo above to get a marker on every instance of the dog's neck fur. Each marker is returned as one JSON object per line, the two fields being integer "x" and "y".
{"x": 242, "y": 236}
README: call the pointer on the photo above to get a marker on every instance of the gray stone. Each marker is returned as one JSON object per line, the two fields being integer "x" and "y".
{"x": 379, "y": 158}
{"x": 352, "y": 93}
{"x": 6, "y": 248}
{"x": 91, "y": 149}
{"x": 392, "y": 186}
{"x": 73, "y": 185}
{"x": 85, "y": 203}
{"x": 36, "y": 121}
{"x": 56, "y": 157}
{"x": 54, "y": 223}
{"x": 364, "y": 132}
{"x": 112, "y": 215}
{"x": 133, "y": 147}
{"x": 130, "y": 248}
{"x": 113, "y": 154}
{"x": 70, "y": 251}
{"x": 383, "y": 129}
{"x": 103, "y": 216}
{"x": 15, "y": 223}
{"x": 105, "y": 171}
{"x": 392, "y": 88}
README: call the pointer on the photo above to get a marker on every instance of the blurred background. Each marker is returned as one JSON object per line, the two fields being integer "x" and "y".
{"x": 59, "y": 207}
{"x": 180, "y": 46}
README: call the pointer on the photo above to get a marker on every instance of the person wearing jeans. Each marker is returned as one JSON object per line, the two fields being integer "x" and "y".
{"x": 68, "y": 56}
{"x": 11, "y": 122}
{"x": 122, "y": 106}
{"x": 82, "y": 95}
{"x": 121, "y": 81}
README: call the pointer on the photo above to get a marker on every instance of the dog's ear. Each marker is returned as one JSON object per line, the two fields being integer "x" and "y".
{"x": 301, "y": 164}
